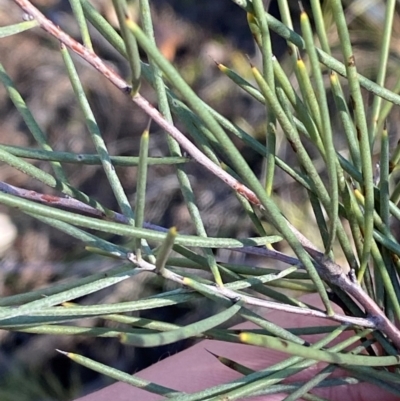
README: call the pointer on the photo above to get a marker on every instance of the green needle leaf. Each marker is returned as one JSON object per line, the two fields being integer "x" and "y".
{"x": 120, "y": 376}
{"x": 165, "y": 249}
{"x": 10, "y": 30}
{"x": 191, "y": 330}
{"x": 318, "y": 355}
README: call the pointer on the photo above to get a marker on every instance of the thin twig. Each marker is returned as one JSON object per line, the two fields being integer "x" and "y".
{"x": 68, "y": 203}
{"x": 65, "y": 202}
{"x": 249, "y": 300}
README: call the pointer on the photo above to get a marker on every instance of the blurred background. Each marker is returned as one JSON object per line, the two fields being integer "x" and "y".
{"x": 193, "y": 36}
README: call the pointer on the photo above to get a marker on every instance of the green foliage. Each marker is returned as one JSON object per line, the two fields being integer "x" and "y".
{"x": 343, "y": 249}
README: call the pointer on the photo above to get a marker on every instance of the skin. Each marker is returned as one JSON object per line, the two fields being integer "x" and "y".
{"x": 195, "y": 369}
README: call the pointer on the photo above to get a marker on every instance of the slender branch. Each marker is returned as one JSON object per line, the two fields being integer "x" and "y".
{"x": 249, "y": 300}
{"x": 350, "y": 285}
{"x": 66, "y": 202}
{"x": 333, "y": 273}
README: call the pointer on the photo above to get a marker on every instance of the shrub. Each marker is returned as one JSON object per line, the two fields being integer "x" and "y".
{"x": 323, "y": 214}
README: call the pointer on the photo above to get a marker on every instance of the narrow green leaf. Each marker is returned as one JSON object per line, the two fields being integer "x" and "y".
{"x": 326, "y": 130}
{"x": 254, "y": 28}
{"x": 308, "y": 93}
{"x": 318, "y": 355}
{"x": 131, "y": 47}
{"x": 29, "y": 120}
{"x": 345, "y": 117}
{"x": 382, "y": 67}
{"x": 96, "y": 136}
{"x": 130, "y": 231}
{"x": 320, "y": 27}
{"x": 30, "y": 296}
{"x": 141, "y": 186}
{"x": 80, "y": 18}
{"x": 165, "y": 249}
{"x": 10, "y": 30}
{"x": 191, "y": 330}
{"x": 121, "y": 376}
{"x": 361, "y": 127}
{"x": 237, "y": 367}
{"x": 167, "y": 101}
{"x": 302, "y": 391}
{"x": 88, "y": 159}
{"x": 52, "y": 182}
{"x": 15, "y": 316}
{"x": 66, "y": 295}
